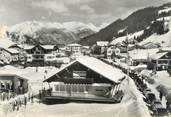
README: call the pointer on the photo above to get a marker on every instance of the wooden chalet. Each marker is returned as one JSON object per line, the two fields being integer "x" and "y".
{"x": 86, "y": 78}
{"x": 41, "y": 53}
{"x": 161, "y": 60}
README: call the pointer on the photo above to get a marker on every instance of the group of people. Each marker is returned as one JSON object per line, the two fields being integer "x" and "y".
{"x": 16, "y": 101}
{"x": 20, "y": 100}
{"x": 6, "y": 95}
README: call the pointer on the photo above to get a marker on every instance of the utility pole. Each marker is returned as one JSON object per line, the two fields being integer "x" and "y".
{"x": 127, "y": 50}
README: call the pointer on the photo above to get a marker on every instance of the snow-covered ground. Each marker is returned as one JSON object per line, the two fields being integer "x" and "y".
{"x": 132, "y": 105}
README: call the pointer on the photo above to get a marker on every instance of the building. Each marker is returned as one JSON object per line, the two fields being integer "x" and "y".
{"x": 9, "y": 55}
{"x": 161, "y": 60}
{"x": 13, "y": 83}
{"x": 141, "y": 55}
{"x": 85, "y": 78}
{"x": 103, "y": 45}
{"x": 151, "y": 45}
{"x": 110, "y": 52}
{"x": 41, "y": 53}
{"x": 74, "y": 49}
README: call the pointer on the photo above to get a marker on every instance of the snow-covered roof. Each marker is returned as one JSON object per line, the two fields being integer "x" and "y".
{"x": 85, "y": 47}
{"x": 99, "y": 67}
{"x": 48, "y": 47}
{"x": 28, "y": 47}
{"x": 74, "y": 45}
{"x": 142, "y": 54}
{"x": 9, "y": 70}
{"x": 102, "y": 43}
{"x": 165, "y": 10}
{"x": 158, "y": 55}
{"x": 13, "y": 51}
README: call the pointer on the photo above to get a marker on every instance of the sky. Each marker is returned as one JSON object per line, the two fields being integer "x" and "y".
{"x": 97, "y": 12}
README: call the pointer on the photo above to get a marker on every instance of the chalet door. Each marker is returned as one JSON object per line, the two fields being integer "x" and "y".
{"x": 68, "y": 89}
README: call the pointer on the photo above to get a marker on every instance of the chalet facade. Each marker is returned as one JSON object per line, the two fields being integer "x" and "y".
{"x": 85, "y": 79}
{"x": 74, "y": 49}
{"x": 41, "y": 53}
{"x": 161, "y": 60}
{"x": 103, "y": 45}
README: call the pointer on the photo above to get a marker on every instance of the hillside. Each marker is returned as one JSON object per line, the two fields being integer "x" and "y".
{"x": 137, "y": 21}
{"x": 33, "y": 32}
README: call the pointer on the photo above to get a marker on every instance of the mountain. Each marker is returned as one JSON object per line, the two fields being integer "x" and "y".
{"x": 33, "y": 32}
{"x": 137, "y": 21}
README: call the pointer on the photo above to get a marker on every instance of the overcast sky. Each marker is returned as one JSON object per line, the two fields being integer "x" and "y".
{"x": 88, "y": 11}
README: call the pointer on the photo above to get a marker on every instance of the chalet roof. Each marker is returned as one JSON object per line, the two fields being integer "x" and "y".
{"x": 102, "y": 43}
{"x": 48, "y": 47}
{"x": 97, "y": 66}
{"x": 73, "y": 45}
{"x": 12, "y": 51}
{"x": 28, "y": 47}
{"x": 16, "y": 45}
{"x": 142, "y": 54}
{"x": 158, "y": 55}
{"x": 9, "y": 70}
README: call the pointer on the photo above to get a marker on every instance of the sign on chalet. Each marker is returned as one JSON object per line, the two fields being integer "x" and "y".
{"x": 85, "y": 78}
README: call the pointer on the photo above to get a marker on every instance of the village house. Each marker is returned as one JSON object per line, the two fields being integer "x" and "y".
{"x": 85, "y": 78}
{"x": 150, "y": 45}
{"x": 12, "y": 81}
{"x": 9, "y": 55}
{"x": 141, "y": 55}
{"x": 102, "y": 45}
{"x": 161, "y": 60}
{"x": 41, "y": 53}
{"x": 74, "y": 49}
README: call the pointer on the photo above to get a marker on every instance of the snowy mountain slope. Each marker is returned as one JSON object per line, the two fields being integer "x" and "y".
{"x": 165, "y": 10}
{"x": 164, "y": 40}
{"x": 157, "y": 32}
{"x": 123, "y": 38}
{"x": 54, "y": 32}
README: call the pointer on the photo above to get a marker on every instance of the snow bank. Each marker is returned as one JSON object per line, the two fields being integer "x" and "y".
{"x": 133, "y": 100}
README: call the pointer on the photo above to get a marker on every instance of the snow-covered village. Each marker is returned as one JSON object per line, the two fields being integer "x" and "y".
{"x": 88, "y": 58}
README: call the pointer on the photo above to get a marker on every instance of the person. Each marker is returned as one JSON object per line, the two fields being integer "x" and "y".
{"x": 32, "y": 98}
{"x": 160, "y": 95}
{"x": 25, "y": 101}
{"x": 40, "y": 95}
{"x": 168, "y": 106}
